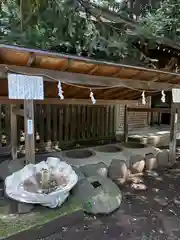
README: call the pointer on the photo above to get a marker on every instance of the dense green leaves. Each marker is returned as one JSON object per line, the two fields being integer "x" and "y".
{"x": 65, "y": 26}
{"x": 59, "y": 25}
{"x": 165, "y": 21}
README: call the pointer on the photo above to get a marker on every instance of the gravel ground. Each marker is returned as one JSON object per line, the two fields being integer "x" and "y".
{"x": 143, "y": 215}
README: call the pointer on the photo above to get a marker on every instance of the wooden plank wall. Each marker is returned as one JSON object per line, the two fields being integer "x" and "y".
{"x": 63, "y": 124}
{"x": 5, "y": 124}
{"x": 70, "y": 123}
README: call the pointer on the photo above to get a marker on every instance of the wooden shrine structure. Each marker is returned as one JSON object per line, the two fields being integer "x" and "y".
{"x": 163, "y": 54}
{"x": 109, "y": 82}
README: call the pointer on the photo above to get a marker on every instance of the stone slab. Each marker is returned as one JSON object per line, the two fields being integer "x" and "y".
{"x": 7, "y": 167}
{"x": 79, "y": 173}
{"x": 150, "y": 162}
{"x": 99, "y": 169}
{"x": 163, "y": 158}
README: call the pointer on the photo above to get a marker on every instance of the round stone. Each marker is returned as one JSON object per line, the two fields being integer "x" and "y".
{"x": 136, "y": 163}
{"x": 98, "y": 195}
{"x": 150, "y": 162}
{"x": 118, "y": 171}
{"x": 99, "y": 169}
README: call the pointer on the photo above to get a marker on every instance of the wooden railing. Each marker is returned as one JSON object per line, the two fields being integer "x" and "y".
{"x": 64, "y": 124}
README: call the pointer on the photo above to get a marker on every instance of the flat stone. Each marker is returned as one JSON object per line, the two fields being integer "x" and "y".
{"x": 7, "y": 167}
{"x": 1, "y": 189}
{"x": 16, "y": 165}
{"x": 1, "y": 192}
{"x": 99, "y": 169}
{"x": 177, "y": 201}
{"x": 162, "y": 201}
{"x": 163, "y": 158}
{"x": 24, "y": 208}
{"x": 118, "y": 171}
{"x": 136, "y": 163}
{"x": 151, "y": 174}
{"x": 138, "y": 186}
{"x": 19, "y": 207}
{"x": 82, "y": 190}
{"x": 150, "y": 162}
{"x": 135, "y": 179}
{"x": 79, "y": 173}
{"x": 4, "y": 171}
{"x": 98, "y": 195}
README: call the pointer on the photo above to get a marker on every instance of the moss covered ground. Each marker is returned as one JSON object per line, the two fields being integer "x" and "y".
{"x": 11, "y": 224}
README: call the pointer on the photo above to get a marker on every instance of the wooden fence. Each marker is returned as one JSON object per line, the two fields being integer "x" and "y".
{"x": 65, "y": 124}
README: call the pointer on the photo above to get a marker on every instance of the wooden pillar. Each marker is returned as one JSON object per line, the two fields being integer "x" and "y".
{"x": 159, "y": 118}
{"x": 152, "y": 118}
{"x": 125, "y": 124}
{"x": 173, "y": 133}
{"x": 117, "y": 116}
{"x": 13, "y": 205}
{"x": 29, "y": 131}
{"x": 13, "y": 123}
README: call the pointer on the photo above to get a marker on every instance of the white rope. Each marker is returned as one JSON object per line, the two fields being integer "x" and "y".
{"x": 60, "y": 91}
{"x": 84, "y": 87}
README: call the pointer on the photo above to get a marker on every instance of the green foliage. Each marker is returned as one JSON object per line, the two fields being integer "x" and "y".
{"x": 164, "y": 21}
{"x": 58, "y": 25}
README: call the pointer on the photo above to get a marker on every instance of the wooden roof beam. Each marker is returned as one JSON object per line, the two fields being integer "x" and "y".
{"x": 67, "y": 101}
{"x": 31, "y": 59}
{"x": 162, "y": 110}
{"x": 85, "y": 79}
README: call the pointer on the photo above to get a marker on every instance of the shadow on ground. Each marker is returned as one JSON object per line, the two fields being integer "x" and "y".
{"x": 153, "y": 214}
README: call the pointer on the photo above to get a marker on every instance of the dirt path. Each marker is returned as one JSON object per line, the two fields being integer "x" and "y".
{"x": 153, "y": 214}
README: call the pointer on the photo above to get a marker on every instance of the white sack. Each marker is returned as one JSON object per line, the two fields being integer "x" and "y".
{"x": 15, "y": 188}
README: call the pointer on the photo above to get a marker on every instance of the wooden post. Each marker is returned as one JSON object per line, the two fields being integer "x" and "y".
{"x": 13, "y": 117}
{"x": 125, "y": 124}
{"x": 29, "y": 131}
{"x": 151, "y": 119}
{"x": 116, "y": 118}
{"x": 173, "y": 133}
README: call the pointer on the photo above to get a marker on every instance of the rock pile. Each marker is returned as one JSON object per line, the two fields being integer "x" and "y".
{"x": 97, "y": 188}
{"x": 99, "y": 169}
{"x": 121, "y": 171}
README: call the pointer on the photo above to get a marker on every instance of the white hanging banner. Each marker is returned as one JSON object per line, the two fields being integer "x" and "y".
{"x": 25, "y": 87}
{"x": 176, "y": 95}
